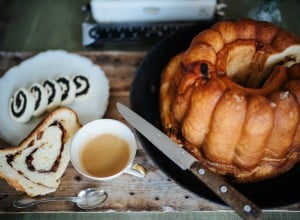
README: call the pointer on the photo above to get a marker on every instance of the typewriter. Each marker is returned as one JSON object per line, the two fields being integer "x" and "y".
{"x": 138, "y": 21}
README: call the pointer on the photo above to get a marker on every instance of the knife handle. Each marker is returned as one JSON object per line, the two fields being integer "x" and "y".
{"x": 238, "y": 202}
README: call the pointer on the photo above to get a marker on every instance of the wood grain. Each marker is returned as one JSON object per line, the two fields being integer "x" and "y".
{"x": 156, "y": 192}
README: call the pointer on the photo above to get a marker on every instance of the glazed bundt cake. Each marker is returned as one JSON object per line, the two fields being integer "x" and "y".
{"x": 232, "y": 99}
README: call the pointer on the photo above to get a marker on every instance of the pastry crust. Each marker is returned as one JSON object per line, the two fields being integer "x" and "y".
{"x": 232, "y": 99}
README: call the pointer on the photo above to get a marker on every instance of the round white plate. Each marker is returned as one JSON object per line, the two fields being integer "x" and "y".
{"x": 50, "y": 65}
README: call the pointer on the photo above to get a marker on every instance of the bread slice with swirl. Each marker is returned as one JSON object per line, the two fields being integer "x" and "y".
{"x": 37, "y": 164}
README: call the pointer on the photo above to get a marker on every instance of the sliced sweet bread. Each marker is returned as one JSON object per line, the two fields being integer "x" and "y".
{"x": 37, "y": 164}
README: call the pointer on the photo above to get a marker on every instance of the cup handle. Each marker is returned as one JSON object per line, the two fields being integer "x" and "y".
{"x": 137, "y": 170}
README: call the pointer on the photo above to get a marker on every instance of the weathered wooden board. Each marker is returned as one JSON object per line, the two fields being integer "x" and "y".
{"x": 156, "y": 192}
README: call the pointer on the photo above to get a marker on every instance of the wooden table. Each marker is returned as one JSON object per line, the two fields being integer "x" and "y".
{"x": 156, "y": 193}
{"x": 35, "y": 25}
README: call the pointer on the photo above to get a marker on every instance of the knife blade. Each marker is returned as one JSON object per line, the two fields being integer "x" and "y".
{"x": 237, "y": 201}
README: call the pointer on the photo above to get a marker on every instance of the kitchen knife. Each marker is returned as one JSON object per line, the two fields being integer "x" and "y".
{"x": 238, "y": 202}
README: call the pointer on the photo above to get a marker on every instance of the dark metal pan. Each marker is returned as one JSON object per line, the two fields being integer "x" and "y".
{"x": 280, "y": 191}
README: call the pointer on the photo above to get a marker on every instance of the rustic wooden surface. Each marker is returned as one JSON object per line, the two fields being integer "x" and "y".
{"x": 155, "y": 193}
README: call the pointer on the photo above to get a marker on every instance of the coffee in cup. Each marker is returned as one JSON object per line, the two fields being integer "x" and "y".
{"x": 104, "y": 149}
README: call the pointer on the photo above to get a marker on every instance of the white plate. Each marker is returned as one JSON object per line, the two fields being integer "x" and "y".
{"x": 50, "y": 65}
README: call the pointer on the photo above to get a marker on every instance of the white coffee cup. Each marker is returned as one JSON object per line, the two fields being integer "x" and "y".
{"x": 106, "y": 128}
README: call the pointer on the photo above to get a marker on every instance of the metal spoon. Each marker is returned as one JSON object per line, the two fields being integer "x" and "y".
{"x": 86, "y": 199}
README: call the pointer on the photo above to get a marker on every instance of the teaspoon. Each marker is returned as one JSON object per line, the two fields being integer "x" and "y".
{"x": 86, "y": 199}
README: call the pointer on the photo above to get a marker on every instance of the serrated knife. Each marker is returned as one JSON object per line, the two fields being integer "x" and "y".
{"x": 238, "y": 202}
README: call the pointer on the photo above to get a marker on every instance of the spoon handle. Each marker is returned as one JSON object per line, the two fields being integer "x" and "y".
{"x": 26, "y": 202}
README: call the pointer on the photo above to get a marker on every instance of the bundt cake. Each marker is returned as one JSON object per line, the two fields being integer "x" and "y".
{"x": 232, "y": 99}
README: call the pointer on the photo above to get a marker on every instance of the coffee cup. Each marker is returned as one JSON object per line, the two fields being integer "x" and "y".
{"x": 104, "y": 149}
